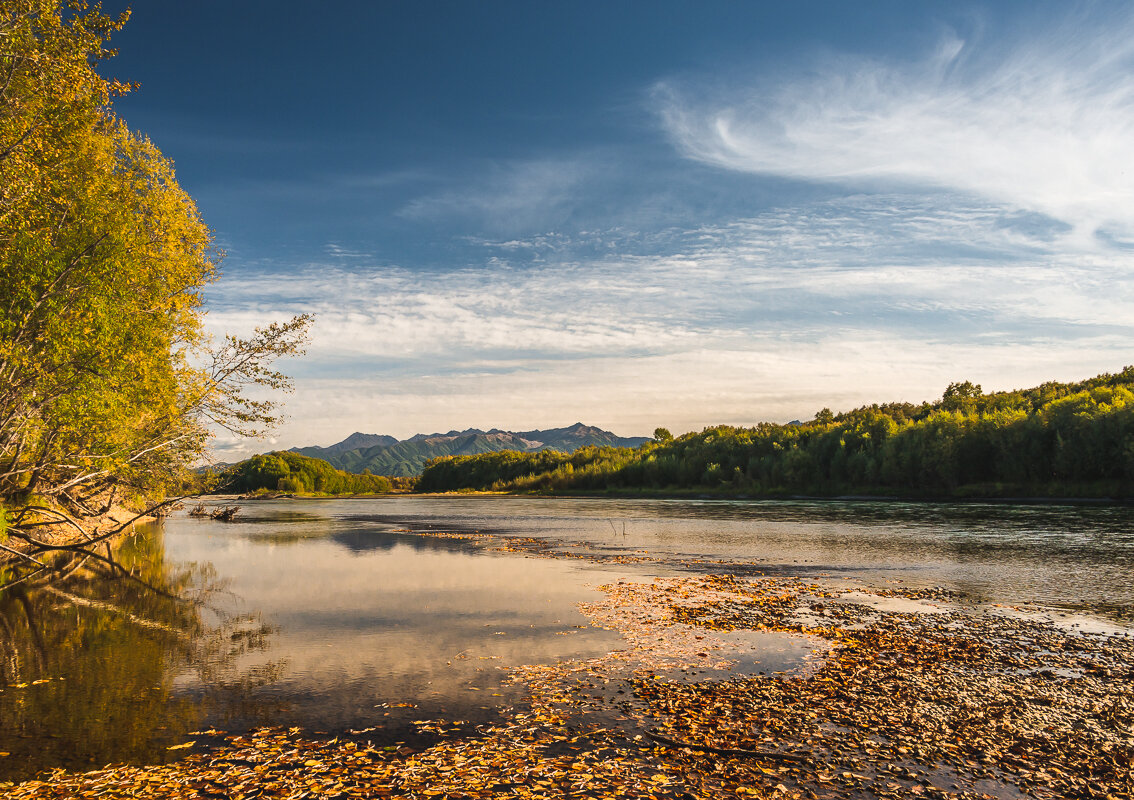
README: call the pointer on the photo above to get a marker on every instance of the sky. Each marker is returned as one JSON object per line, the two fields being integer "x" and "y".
{"x": 638, "y": 214}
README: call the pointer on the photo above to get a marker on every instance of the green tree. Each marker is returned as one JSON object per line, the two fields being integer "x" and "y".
{"x": 292, "y": 472}
{"x": 1078, "y": 434}
{"x": 960, "y": 395}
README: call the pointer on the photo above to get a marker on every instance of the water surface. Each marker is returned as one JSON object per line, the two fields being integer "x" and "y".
{"x": 365, "y": 615}
{"x": 1069, "y": 557}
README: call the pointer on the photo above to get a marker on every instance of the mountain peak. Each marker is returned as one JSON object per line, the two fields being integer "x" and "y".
{"x": 385, "y": 455}
{"x": 360, "y": 441}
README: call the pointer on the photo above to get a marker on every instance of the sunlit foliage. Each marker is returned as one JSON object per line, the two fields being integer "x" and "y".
{"x": 293, "y": 473}
{"x": 106, "y": 378}
{"x": 1073, "y": 439}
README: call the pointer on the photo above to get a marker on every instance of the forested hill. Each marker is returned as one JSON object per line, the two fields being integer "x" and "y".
{"x": 1057, "y": 439}
{"x": 385, "y": 455}
{"x": 291, "y": 472}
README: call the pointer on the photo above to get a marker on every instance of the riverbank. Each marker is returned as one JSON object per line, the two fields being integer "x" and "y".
{"x": 53, "y": 529}
{"x": 702, "y": 494}
{"x": 868, "y": 690}
{"x": 706, "y": 494}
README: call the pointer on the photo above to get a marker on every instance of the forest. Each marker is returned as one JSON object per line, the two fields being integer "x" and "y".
{"x": 296, "y": 474}
{"x": 1057, "y": 439}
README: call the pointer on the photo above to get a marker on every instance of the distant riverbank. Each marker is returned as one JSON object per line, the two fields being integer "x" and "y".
{"x": 702, "y": 494}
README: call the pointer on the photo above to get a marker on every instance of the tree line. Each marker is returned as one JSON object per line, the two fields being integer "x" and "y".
{"x": 294, "y": 473}
{"x": 1074, "y": 439}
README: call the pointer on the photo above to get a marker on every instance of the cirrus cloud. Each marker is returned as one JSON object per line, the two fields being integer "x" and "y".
{"x": 1045, "y": 124}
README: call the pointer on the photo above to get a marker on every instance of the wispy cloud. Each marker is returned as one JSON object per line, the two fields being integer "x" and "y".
{"x": 1044, "y": 123}
{"x": 337, "y": 251}
{"x": 767, "y": 377}
{"x": 978, "y": 224}
{"x": 510, "y": 196}
{"x": 768, "y": 317}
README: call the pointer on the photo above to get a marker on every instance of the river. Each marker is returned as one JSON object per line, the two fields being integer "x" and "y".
{"x": 358, "y": 617}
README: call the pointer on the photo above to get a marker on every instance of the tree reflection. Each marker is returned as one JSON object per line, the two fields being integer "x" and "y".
{"x": 95, "y": 652}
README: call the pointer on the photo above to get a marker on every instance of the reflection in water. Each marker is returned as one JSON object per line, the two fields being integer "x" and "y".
{"x": 1064, "y": 556}
{"x": 363, "y": 541}
{"x": 372, "y": 619}
{"x": 286, "y": 618}
{"x": 87, "y": 660}
{"x": 336, "y": 615}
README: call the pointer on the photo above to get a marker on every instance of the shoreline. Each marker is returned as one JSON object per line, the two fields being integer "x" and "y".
{"x": 904, "y": 692}
{"x": 62, "y": 534}
{"x": 722, "y": 496}
{"x": 908, "y": 693}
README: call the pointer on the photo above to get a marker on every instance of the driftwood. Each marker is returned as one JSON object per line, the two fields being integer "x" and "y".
{"x": 16, "y": 552}
{"x": 727, "y": 751}
{"x": 161, "y": 513}
{"x": 83, "y": 544}
{"x": 224, "y": 513}
{"x": 59, "y": 516}
{"x": 86, "y": 540}
{"x": 18, "y": 530}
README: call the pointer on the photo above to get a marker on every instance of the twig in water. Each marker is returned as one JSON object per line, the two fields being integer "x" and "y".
{"x": 225, "y": 513}
{"x": 726, "y": 751}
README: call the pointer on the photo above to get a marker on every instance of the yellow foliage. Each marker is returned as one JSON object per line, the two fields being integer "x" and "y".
{"x": 104, "y": 257}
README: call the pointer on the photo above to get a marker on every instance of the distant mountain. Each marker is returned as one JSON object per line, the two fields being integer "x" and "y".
{"x": 579, "y": 435}
{"x": 356, "y": 441}
{"x": 385, "y": 455}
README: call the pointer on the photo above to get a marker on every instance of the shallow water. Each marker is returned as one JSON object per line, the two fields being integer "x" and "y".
{"x": 1061, "y": 556}
{"x": 342, "y": 615}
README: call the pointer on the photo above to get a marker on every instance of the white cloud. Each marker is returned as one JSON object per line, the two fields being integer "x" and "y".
{"x": 337, "y": 251}
{"x": 770, "y": 378}
{"x": 771, "y": 317}
{"x": 1045, "y": 124}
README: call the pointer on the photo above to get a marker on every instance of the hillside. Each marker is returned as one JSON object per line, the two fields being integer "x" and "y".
{"x": 292, "y": 472}
{"x": 358, "y": 441}
{"x": 1054, "y": 440}
{"x": 385, "y": 455}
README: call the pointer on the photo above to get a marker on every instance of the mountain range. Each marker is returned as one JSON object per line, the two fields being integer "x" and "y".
{"x": 386, "y": 455}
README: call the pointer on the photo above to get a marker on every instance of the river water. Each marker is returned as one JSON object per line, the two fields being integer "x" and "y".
{"x": 359, "y": 617}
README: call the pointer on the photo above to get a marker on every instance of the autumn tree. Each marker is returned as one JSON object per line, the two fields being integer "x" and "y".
{"x": 107, "y": 381}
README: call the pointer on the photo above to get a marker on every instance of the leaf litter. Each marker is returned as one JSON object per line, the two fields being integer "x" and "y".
{"x": 893, "y": 701}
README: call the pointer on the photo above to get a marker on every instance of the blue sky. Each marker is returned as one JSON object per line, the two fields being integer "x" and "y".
{"x": 522, "y": 215}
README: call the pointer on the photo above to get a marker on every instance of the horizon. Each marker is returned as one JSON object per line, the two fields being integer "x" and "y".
{"x": 579, "y": 424}
{"x": 650, "y": 215}
{"x": 455, "y": 432}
